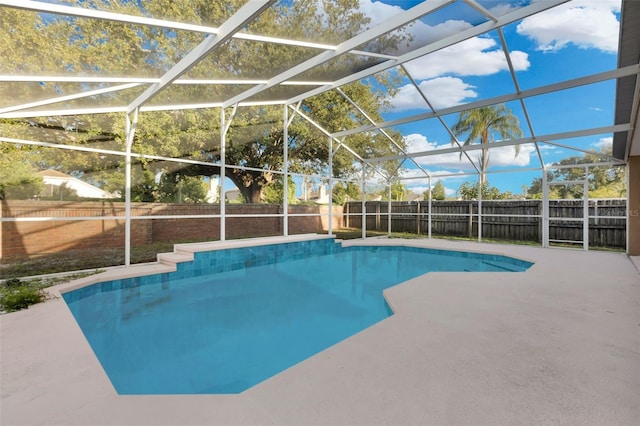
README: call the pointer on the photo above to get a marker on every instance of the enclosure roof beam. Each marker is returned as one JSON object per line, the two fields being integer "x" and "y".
{"x": 242, "y": 17}
{"x": 514, "y": 78}
{"x": 83, "y": 148}
{"x": 585, "y": 151}
{"x": 454, "y": 138}
{"x": 543, "y": 90}
{"x": 63, "y": 112}
{"x": 118, "y": 109}
{"x": 511, "y": 142}
{"x": 80, "y": 12}
{"x": 71, "y": 97}
{"x": 130, "y": 83}
{"x": 576, "y": 166}
{"x": 325, "y": 132}
{"x": 393, "y": 141}
{"x": 483, "y": 10}
{"x": 488, "y": 172}
{"x": 506, "y": 19}
{"x": 385, "y": 27}
{"x": 338, "y": 141}
{"x": 86, "y": 79}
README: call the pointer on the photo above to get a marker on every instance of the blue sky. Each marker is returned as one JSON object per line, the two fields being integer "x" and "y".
{"x": 570, "y": 41}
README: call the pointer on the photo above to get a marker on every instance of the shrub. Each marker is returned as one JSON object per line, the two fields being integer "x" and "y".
{"x": 21, "y": 298}
{"x": 13, "y": 282}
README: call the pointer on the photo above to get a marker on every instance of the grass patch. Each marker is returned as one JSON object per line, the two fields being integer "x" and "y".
{"x": 80, "y": 260}
{"x": 350, "y": 234}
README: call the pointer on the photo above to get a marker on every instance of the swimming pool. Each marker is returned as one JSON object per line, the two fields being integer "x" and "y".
{"x": 233, "y": 318}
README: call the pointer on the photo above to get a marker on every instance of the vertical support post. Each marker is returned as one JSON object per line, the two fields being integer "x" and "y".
{"x": 346, "y": 214}
{"x": 479, "y": 209}
{"x": 429, "y": 209}
{"x": 418, "y": 217}
{"x": 470, "y": 220}
{"x": 223, "y": 143}
{"x": 285, "y": 167}
{"x": 130, "y": 132}
{"x": 545, "y": 209}
{"x": 627, "y": 188}
{"x": 585, "y": 210}
{"x": 389, "y": 210}
{"x": 330, "y": 226}
{"x": 364, "y": 199}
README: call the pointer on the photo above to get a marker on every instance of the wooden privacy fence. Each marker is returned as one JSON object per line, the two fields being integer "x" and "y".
{"x": 501, "y": 219}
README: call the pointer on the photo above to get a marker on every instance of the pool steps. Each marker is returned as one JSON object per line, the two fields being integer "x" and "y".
{"x": 168, "y": 262}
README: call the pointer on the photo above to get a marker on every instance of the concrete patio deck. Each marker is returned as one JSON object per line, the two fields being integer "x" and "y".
{"x": 558, "y": 344}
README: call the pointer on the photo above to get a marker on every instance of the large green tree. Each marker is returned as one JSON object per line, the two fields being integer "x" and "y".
{"x": 604, "y": 181}
{"x": 437, "y": 192}
{"x": 469, "y": 191}
{"x": 346, "y": 191}
{"x": 18, "y": 178}
{"x": 274, "y": 192}
{"x": 482, "y": 125}
{"x": 255, "y": 141}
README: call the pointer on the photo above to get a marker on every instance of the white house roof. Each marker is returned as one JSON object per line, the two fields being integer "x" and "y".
{"x": 83, "y": 189}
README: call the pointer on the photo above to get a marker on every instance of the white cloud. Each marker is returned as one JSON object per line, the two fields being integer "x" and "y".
{"x": 585, "y": 23}
{"x": 424, "y": 34}
{"x": 415, "y": 142}
{"x": 421, "y": 189}
{"x": 449, "y": 192}
{"x": 442, "y": 92}
{"x": 477, "y": 56}
{"x": 498, "y": 156}
{"x": 547, "y": 147}
{"x": 502, "y": 9}
{"x": 378, "y": 11}
{"x": 420, "y": 184}
{"x": 603, "y": 145}
{"x": 417, "y": 181}
{"x": 506, "y": 156}
{"x": 420, "y": 32}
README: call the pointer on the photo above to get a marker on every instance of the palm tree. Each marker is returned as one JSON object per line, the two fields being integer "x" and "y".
{"x": 481, "y": 124}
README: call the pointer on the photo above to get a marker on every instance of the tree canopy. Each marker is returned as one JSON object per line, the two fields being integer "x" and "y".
{"x": 255, "y": 141}
{"x": 437, "y": 192}
{"x": 469, "y": 191}
{"x": 603, "y": 181}
{"x": 18, "y": 178}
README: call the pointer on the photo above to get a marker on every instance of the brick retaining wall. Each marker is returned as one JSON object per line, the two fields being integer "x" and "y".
{"x": 19, "y": 239}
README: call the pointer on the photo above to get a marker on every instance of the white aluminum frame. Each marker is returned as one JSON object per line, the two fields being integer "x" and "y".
{"x": 231, "y": 29}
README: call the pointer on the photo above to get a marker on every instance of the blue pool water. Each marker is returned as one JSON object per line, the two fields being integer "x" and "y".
{"x": 233, "y": 318}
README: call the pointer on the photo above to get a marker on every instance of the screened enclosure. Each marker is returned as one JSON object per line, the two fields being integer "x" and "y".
{"x": 128, "y": 126}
